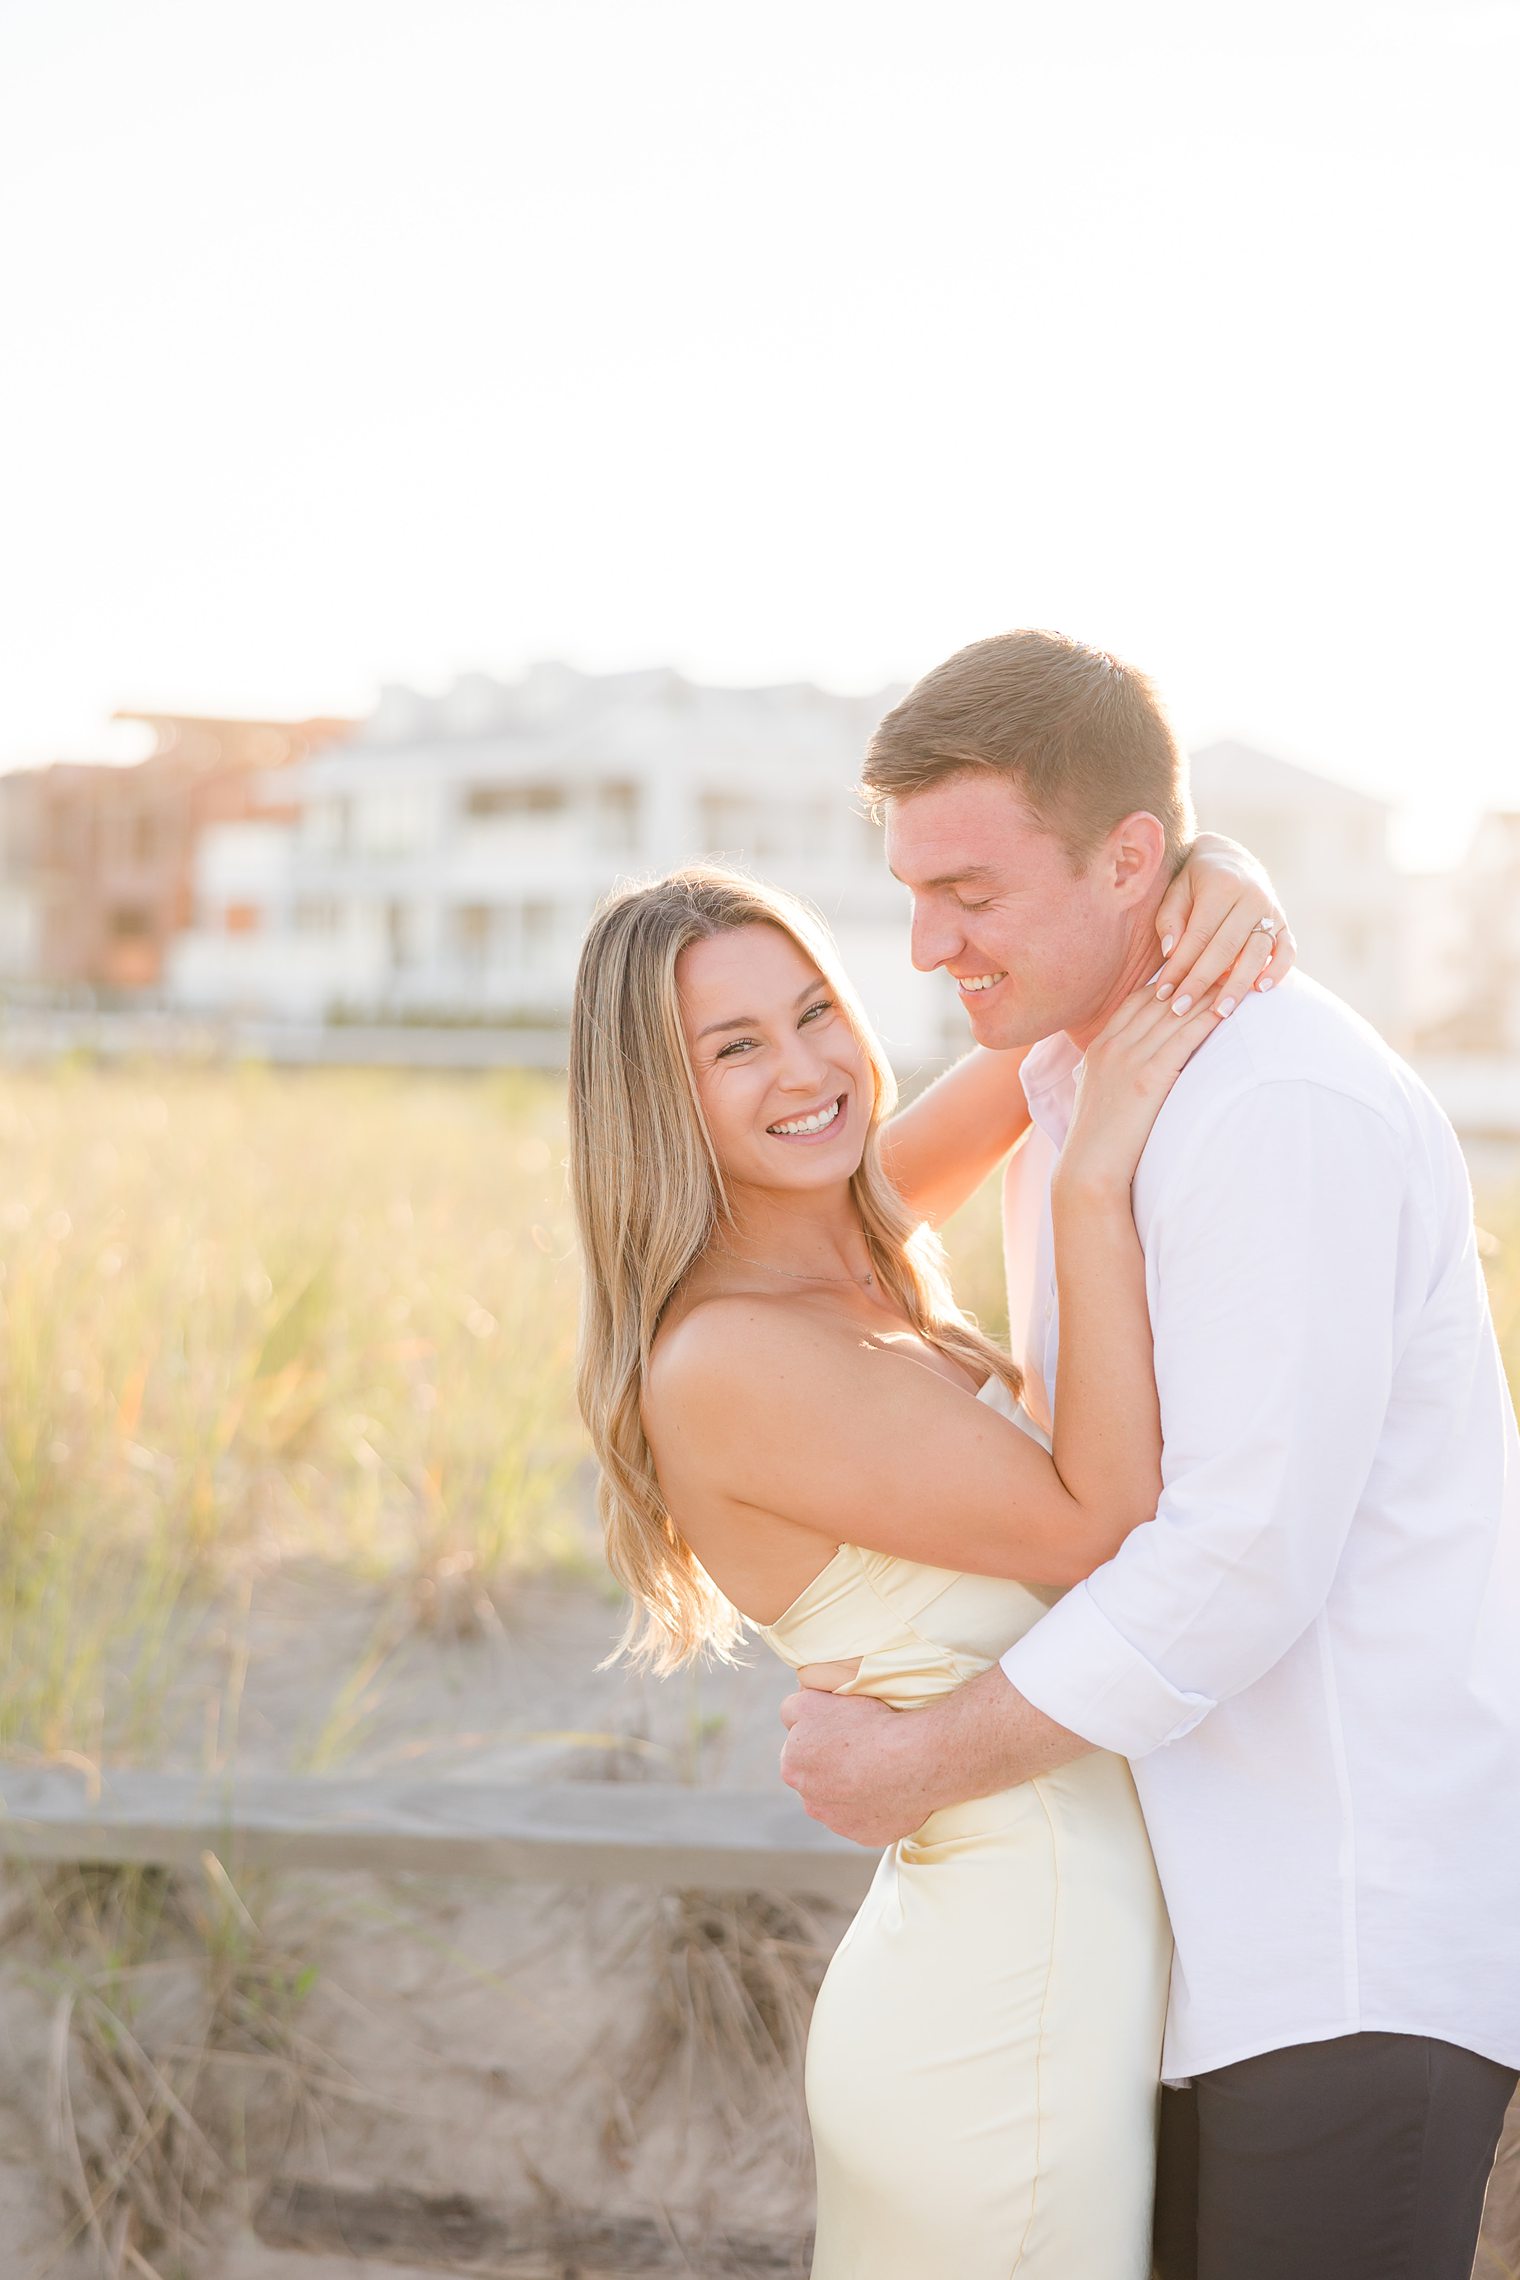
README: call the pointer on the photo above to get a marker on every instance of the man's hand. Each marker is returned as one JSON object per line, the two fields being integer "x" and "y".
{"x": 874, "y": 1774}
{"x": 849, "y": 1761}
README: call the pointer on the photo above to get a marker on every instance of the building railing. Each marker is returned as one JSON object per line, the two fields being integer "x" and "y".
{"x": 32, "y": 1034}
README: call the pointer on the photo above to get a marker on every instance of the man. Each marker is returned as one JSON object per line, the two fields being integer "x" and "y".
{"x": 1311, "y": 1656}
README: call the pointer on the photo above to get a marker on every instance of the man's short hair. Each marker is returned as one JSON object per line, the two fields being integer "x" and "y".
{"x": 1083, "y": 736}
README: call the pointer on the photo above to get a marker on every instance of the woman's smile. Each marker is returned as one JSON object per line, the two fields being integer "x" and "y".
{"x": 814, "y": 1124}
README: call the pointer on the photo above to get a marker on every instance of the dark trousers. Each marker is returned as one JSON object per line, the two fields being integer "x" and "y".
{"x": 1365, "y": 2158}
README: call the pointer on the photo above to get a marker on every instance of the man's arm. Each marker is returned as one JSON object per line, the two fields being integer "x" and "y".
{"x": 1274, "y": 1257}
{"x": 1274, "y": 1254}
{"x": 876, "y": 1774}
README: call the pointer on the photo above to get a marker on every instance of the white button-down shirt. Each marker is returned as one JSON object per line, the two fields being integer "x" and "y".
{"x": 1312, "y": 1654}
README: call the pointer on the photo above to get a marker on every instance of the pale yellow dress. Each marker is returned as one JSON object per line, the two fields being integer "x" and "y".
{"x": 982, "y": 2073}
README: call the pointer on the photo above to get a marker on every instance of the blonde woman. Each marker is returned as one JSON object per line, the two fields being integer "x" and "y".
{"x": 797, "y": 1429}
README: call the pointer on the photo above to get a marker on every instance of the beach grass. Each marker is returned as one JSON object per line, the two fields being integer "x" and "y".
{"x": 324, "y": 1318}
{"x": 250, "y": 1317}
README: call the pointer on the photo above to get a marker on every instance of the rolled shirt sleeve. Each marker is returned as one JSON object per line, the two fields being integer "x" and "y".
{"x": 1272, "y": 1253}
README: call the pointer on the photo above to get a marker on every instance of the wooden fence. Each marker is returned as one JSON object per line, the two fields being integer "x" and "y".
{"x": 564, "y": 1832}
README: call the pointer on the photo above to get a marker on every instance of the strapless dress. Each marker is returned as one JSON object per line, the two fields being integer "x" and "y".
{"x": 984, "y": 2061}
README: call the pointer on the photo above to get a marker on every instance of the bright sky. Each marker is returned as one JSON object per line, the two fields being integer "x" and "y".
{"x": 364, "y": 340}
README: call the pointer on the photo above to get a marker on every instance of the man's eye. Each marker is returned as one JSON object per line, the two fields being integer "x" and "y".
{"x": 962, "y": 904}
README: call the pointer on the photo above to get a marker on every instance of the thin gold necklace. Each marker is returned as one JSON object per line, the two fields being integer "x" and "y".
{"x": 861, "y": 1282}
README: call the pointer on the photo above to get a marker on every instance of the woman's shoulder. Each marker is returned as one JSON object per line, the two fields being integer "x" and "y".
{"x": 725, "y": 1374}
{"x": 744, "y": 1358}
{"x": 715, "y": 1342}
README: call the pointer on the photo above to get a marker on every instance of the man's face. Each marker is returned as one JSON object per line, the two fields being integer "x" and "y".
{"x": 1033, "y": 946}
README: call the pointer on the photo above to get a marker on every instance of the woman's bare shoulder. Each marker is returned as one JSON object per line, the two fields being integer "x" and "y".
{"x": 719, "y": 1343}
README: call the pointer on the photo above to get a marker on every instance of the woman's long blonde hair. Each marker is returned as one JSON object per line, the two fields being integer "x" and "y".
{"x": 649, "y": 1196}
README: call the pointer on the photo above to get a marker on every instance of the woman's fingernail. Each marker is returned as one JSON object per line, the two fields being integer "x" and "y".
{"x": 1265, "y": 983}
{"x": 1167, "y": 942}
{"x": 1225, "y": 1005}
{"x": 1182, "y": 1005}
{"x": 1166, "y": 989}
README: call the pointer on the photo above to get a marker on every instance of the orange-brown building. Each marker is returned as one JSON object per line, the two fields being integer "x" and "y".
{"x": 96, "y": 861}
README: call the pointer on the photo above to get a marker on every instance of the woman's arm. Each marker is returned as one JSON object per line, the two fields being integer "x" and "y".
{"x": 1209, "y": 924}
{"x": 1107, "y": 1419}
{"x": 764, "y": 1410}
{"x": 940, "y": 1148}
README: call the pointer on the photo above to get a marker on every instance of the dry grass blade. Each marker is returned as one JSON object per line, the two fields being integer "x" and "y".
{"x": 248, "y": 1320}
{"x": 732, "y": 1976}
{"x": 63, "y": 2138}
{"x": 173, "y": 2036}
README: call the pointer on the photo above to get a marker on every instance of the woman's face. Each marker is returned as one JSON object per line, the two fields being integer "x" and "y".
{"x": 783, "y": 1081}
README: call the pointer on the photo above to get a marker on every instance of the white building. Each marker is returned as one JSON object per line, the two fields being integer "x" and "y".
{"x": 447, "y": 856}
{"x": 1468, "y": 994}
{"x": 1326, "y": 846}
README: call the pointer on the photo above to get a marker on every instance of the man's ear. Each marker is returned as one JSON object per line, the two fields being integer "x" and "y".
{"x": 1134, "y": 856}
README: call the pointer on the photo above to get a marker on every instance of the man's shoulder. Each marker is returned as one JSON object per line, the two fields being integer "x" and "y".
{"x": 1304, "y": 1035}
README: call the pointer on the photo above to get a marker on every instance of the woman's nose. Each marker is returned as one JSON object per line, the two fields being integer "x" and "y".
{"x": 801, "y": 1061}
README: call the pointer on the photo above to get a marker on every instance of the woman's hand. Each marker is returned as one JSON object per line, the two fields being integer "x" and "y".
{"x": 1129, "y": 1068}
{"x": 1209, "y": 926}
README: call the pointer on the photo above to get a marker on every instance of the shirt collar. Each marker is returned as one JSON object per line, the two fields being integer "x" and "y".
{"x": 1049, "y": 1077}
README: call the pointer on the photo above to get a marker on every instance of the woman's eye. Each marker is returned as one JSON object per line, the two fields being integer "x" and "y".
{"x": 743, "y": 1044}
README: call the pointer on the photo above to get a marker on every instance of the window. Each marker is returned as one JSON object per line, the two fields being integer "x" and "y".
{"x": 723, "y": 822}
{"x": 393, "y": 821}
{"x": 537, "y": 931}
{"x": 327, "y": 825}
{"x": 401, "y": 933}
{"x": 617, "y": 815}
{"x": 502, "y": 801}
{"x": 474, "y": 928}
{"x": 317, "y": 914}
{"x": 742, "y": 824}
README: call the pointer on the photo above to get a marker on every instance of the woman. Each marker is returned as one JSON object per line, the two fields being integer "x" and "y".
{"x": 798, "y": 1429}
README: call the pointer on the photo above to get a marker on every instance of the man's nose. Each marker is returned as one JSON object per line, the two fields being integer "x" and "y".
{"x": 932, "y": 939}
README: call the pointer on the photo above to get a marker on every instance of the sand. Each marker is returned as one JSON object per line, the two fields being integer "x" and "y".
{"x": 477, "y": 2040}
